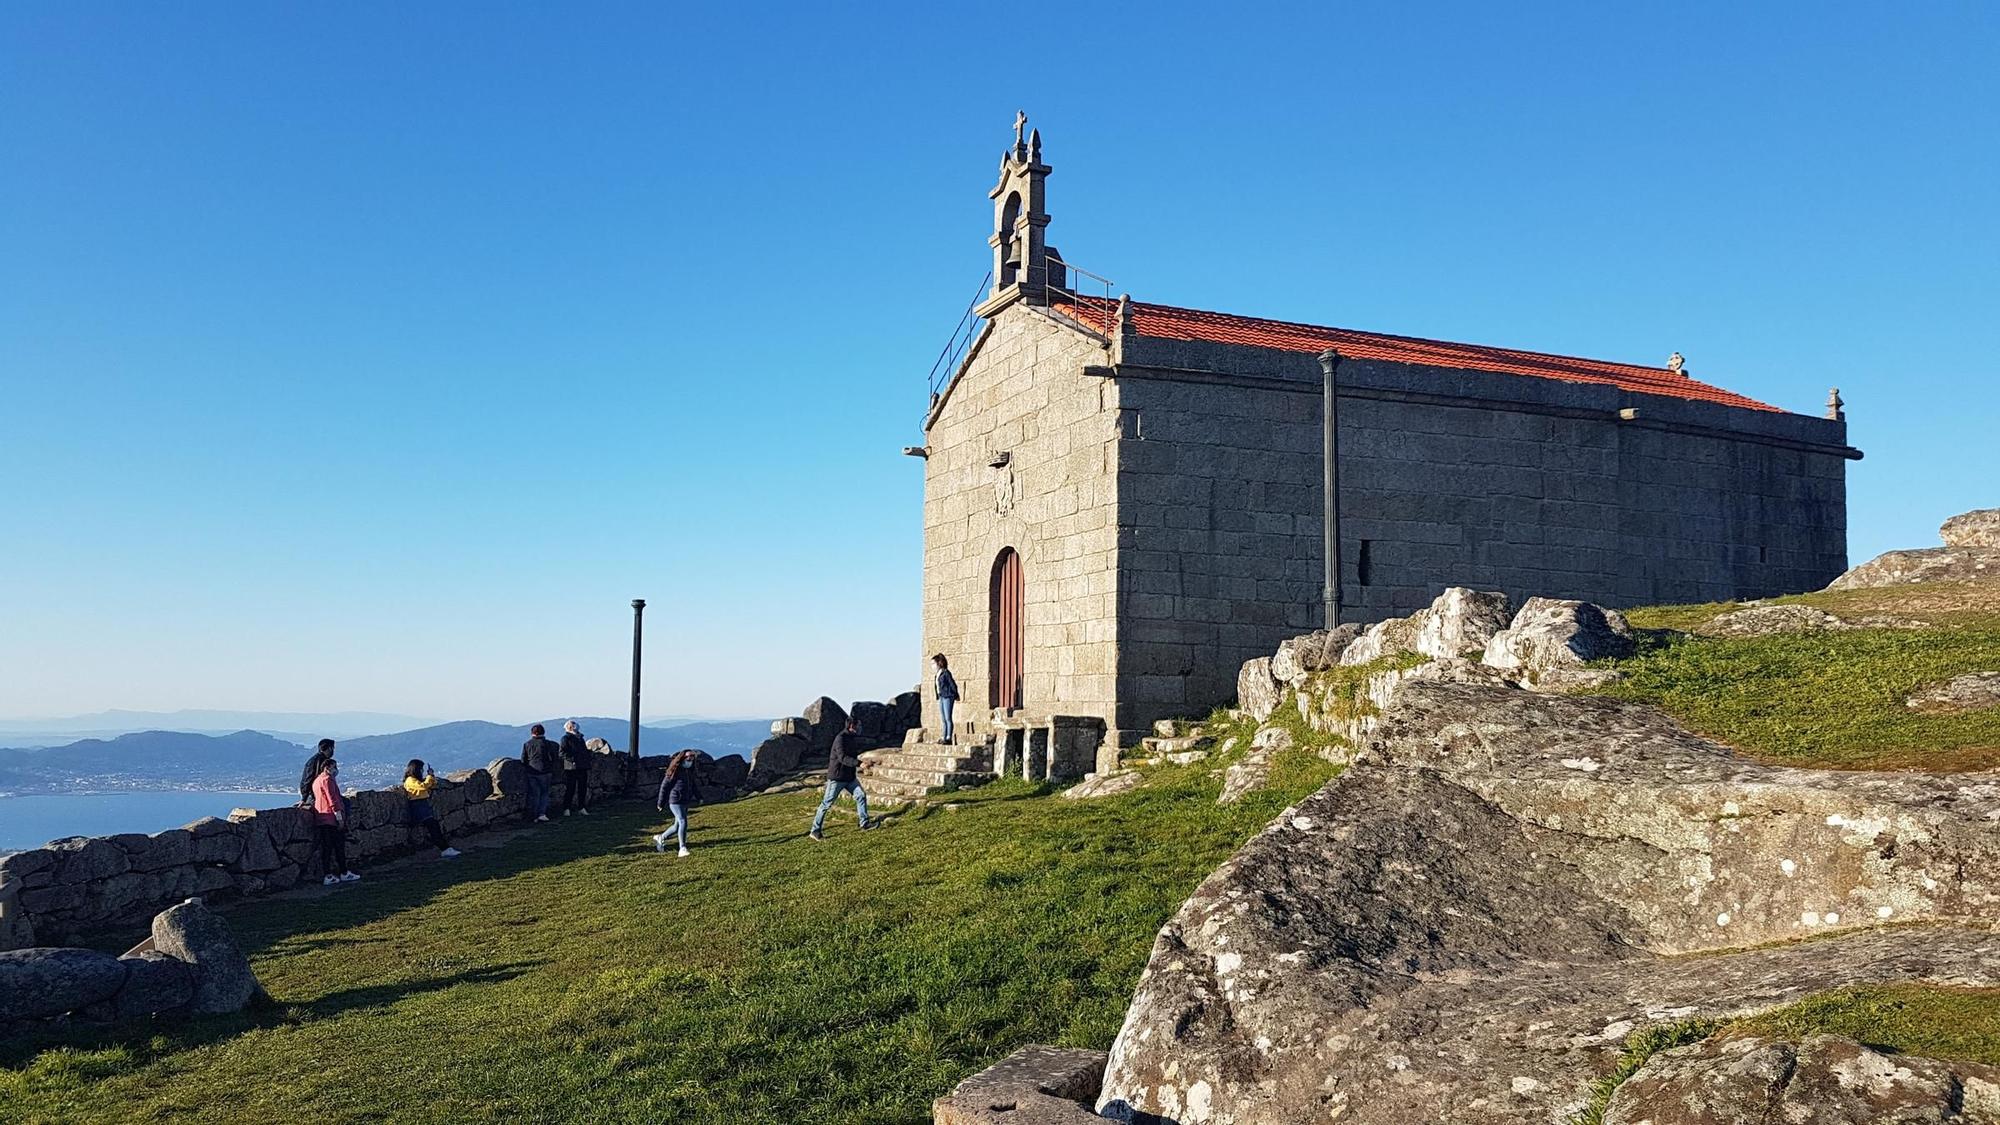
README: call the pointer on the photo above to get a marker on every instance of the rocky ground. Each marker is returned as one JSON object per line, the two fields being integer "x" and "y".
{"x": 1515, "y": 894}
{"x": 1470, "y": 921}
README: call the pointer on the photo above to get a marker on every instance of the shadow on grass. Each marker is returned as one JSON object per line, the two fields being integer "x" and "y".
{"x": 164, "y": 1035}
{"x": 272, "y": 924}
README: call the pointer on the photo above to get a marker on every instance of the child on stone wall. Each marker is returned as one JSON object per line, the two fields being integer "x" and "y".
{"x": 330, "y": 825}
{"x": 419, "y": 781}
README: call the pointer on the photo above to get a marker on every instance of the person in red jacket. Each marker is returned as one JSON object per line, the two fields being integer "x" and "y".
{"x": 330, "y": 825}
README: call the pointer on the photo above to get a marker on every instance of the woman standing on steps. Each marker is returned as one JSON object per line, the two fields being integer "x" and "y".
{"x": 419, "y": 781}
{"x": 947, "y": 694}
{"x": 678, "y": 790}
{"x": 330, "y": 825}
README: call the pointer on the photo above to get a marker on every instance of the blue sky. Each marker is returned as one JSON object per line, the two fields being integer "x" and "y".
{"x": 375, "y": 355}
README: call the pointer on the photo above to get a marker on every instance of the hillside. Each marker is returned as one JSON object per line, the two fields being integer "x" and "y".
{"x": 250, "y": 759}
{"x": 576, "y": 974}
{"x": 766, "y": 978}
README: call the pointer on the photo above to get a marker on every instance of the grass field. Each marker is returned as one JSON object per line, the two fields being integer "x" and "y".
{"x": 1831, "y": 699}
{"x": 577, "y": 975}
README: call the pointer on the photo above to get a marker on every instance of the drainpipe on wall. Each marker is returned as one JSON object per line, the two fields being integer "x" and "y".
{"x": 1329, "y": 364}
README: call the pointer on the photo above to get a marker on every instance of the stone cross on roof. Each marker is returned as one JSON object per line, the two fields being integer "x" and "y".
{"x": 1020, "y": 123}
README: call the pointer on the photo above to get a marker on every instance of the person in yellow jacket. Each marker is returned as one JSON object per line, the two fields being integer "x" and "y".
{"x": 419, "y": 780}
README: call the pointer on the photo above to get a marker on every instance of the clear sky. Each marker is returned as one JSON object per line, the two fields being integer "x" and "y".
{"x": 375, "y": 355}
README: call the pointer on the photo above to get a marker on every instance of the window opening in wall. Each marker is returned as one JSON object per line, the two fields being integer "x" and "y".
{"x": 1365, "y": 562}
{"x": 1762, "y": 555}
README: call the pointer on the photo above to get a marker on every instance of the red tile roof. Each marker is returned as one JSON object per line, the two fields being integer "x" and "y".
{"x": 1165, "y": 322}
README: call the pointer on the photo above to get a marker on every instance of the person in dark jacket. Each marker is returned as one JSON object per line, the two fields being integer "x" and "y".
{"x": 540, "y": 756}
{"x": 314, "y": 766}
{"x": 947, "y": 694}
{"x": 576, "y": 770}
{"x": 680, "y": 788}
{"x": 843, "y": 761}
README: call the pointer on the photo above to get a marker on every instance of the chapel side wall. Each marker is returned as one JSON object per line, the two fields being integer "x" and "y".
{"x": 1219, "y": 527}
{"x": 1024, "y": 393}
{"x": 1447, "y": 478}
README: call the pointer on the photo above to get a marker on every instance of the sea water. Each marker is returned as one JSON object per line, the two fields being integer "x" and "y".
{"x": 28, "y": 822}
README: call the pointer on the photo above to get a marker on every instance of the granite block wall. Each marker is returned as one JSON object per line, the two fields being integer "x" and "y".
{"x": 1495, "y": 481}
{"x": 1023, "y": 394}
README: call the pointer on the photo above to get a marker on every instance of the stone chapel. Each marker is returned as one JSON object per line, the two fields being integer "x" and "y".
{"x": 1124, "y": 501}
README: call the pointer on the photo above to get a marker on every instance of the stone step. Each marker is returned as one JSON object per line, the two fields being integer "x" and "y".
{"x": 942, "y": 762}
{"x": 928, "y": 779}
{"x": 1179, "y": 745}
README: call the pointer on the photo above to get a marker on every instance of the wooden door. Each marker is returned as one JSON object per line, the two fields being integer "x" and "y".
{"x": 1006, "y": 651}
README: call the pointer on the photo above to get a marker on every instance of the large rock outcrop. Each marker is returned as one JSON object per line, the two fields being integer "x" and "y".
{"x": 190, "y": 932}
{"x": 1971, "y": 553}
{"x": 1973, "y": 691}
{"x": 1552, "y": 635}
{"x": 1925, "y": 564}
{"x": 1979, "y": 528}
{"x": 1466, "y": 925}
{"x": 1822, "y": 1080}
{"x": 1258, "y": 691}
{"x": 1457, "y": 623}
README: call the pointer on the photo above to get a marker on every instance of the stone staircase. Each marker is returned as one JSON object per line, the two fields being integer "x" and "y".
{"x": 895, "y": 774}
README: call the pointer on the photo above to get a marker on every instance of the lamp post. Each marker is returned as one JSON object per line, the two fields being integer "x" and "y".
{"x": 638, "y": 615}
{"x": 1329, "y": 365}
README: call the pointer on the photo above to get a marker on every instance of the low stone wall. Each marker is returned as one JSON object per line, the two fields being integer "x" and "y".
{"x": 85, "y": 884}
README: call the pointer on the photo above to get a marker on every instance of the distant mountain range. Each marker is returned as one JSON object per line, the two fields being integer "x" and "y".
{"x": 251, "y": 759}
{"x": 292, "y": 726}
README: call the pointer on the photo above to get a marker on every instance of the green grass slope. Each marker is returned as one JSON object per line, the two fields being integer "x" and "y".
{"x": 577, "y": 975}
{"x": 1831, "y": 699}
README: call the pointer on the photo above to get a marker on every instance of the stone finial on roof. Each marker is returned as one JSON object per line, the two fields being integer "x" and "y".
{"x": 1676, "y": 362}
{"x": 1834, "y": 405}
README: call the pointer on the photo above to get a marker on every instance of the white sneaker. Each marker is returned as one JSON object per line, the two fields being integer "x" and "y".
{"x": 350, "y": 877}
{"x": 684, "y": 853}
{"x": 329, "y": 881}
{"x": 565, "y": 812}
{"x": 585, "y": 812}
{"x": 541, "y": 820}
{"x": 660, "y": 842}
{"x": 448, "y": 853}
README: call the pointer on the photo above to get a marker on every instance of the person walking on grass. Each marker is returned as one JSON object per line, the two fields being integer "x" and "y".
{"x": 842, "y": 762}
{"x": 679, "y": 789}
{"x": 539, "y": 755}
{"x": 419, "y": 781}
{"x": 314, "y": 764}
{"x": 576, "y": 771}
{"x": 947, "y": 695}
{"x": 330, "y": 825}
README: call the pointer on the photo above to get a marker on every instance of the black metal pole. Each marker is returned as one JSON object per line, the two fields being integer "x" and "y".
{"x": 1329, "y": 364}
{"x": 638, "y": 614}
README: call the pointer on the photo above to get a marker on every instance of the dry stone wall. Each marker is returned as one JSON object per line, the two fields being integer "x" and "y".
{"x": 86, "y": 884}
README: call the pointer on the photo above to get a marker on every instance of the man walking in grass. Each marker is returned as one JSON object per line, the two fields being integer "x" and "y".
{"x": 842, "y": 762}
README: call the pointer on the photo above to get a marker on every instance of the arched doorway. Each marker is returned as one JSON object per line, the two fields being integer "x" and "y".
{"x": 1006, "y": 633}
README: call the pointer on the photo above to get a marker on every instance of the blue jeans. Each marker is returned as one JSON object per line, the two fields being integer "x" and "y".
{"x": 944, "y": 712}
{"x": 835, "y": 789}
{"x": 680, "y": 828}
{"x": 538, "y": 795}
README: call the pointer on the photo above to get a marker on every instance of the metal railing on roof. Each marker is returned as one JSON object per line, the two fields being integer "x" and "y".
{"x": 1082, "y": 297}
{"x": 1070, "y": 293}
{"x": 969, "y": 326}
